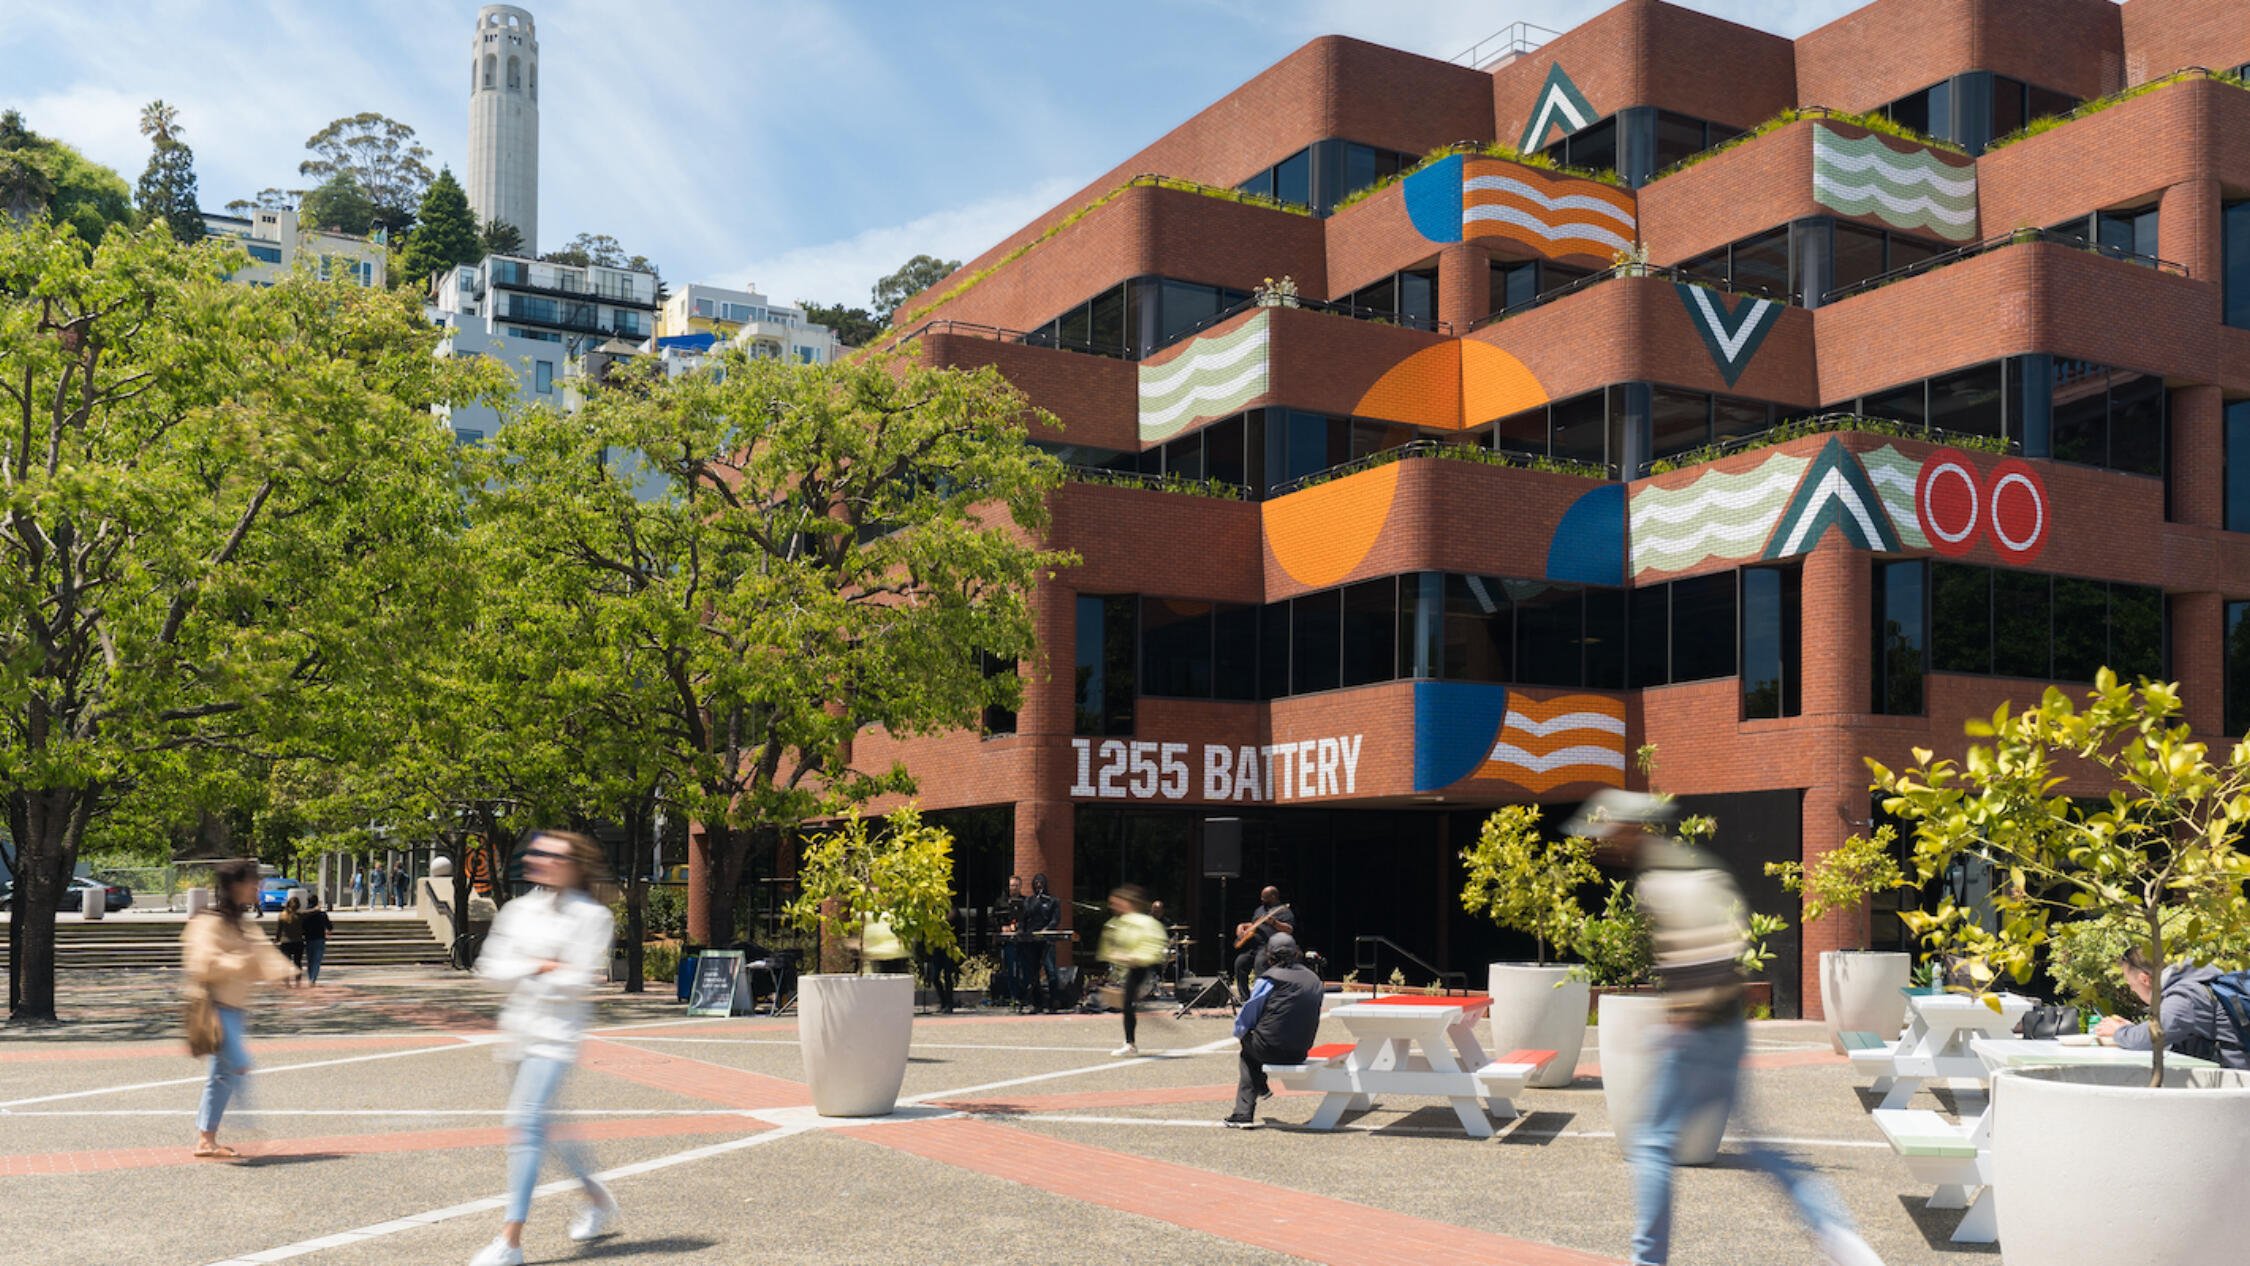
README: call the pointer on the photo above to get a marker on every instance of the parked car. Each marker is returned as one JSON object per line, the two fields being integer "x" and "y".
{"x": 274, "y": 890}
{"x": 114, "y": 896}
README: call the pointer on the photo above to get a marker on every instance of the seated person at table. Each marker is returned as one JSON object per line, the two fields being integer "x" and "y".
{"x": 2189, "y": 1012}
{"x": 1276, "y": 1025}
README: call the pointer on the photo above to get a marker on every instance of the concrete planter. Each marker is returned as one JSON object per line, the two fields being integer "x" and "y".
{"x": 1541, "y": 1008}
{"x": 854, "y": 1032}
{"x": 1859, "y": 992}
{"x": 2157, "y": 1171}
{"x": 1631, "y": 1025}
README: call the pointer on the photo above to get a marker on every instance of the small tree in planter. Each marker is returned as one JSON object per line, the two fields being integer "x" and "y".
{"x": 1527, "y": 883}
{"x": 2162, "y": 852}
{"x": 1859, "y": 989}
{"x": 854, "y": 1030}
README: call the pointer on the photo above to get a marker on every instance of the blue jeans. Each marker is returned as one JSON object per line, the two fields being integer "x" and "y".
{"x": 537, "y": 1082}
{"x": 316, "y": 949}
{"x": 1697, "y": 1071}
{"x": 229, "y": 1064}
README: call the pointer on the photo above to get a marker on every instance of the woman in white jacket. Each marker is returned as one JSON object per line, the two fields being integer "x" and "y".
{"x": 551, "y": 946}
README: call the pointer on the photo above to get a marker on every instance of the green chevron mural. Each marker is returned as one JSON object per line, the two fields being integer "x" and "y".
{"x": 1893, "y": 474}
{"x": 1834, "y": 493}
{"x": 1212, "y": 377}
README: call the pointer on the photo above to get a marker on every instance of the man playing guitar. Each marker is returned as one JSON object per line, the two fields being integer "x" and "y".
{"x": 1272, "y": 915}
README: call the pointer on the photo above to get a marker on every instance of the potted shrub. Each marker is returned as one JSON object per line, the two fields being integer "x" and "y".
{"x": 1527, "y": 883}
{"x": 1859, "y": 987}
{"x": 2075, "y": 1147}
{"x": 854, "y": 1029}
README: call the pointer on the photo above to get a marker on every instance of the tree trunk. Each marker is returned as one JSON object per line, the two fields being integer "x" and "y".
{"x": 461, "y": 888}
{"x": 47, "y": 826}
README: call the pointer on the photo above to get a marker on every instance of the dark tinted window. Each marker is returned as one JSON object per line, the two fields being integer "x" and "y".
{"x": 1761, "y": 265}
{"x": 1292, "y": 178}
{"x": 2041, "y": 102}
{"x": 2007, "y": 105}
{"x": 1184, "y": 456}
{"x": 1859, "y": 255}
{"x": 1522, "y": 433}
{"x": 1678, "y": 420}
{"x": 1421, "y": 624}
{"x": 1677, "y": 137}
{"x": 2081, "y": 628}
{"x": 1273, "y": 650}
{"x": 1479, "y": 630}
{"x": 1968, "y": 402}
{"x": 1703, "y": 627}
{"x": 1187, "y": 305}
{"x": 1370, "y": 631}
{"x": 1417, "y": 298}
{"x": 1176, "y": 648}
{"x": 1731, "y": 417}
{"x": 2136, "y": 422}
{"x": 2022, "y": 624}
{"x": 1223, "y": 453}
{"x": 2081, "y": 411}
{"x": 1549, "y": 623}
{"x": 1913, "y": 111}
{"x": 1960, "y": 618}
{"x": 2136, "y": 632}
{"x": 1905, "y": 252}
{"x": 1900, "y": 404}
{"x": 1605, "y": 638}
{"x": 1898, "y": 602}
{"x": 1234, "y": 652}
{"x": 2238, "y": 668}
{"x": 1650, "y": 614}
{"x": 1104, "y": 665}
{"x": 2235, "y": 262}
{"x": 1594, "y": 148}
{"x": 1513, "y": 284}
{"x": 2238, "y": 466}
{"x": 1106, "y": 328}
{"x": 1316, "y": 641}
{"x": 1581, "y": 429}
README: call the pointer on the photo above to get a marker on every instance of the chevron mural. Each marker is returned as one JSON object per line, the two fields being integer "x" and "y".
{"x": 1732, "y": 337}
{"x": 1553, "y": 214}
{"x": 1549, "y": 743}
{"x": 1834, "y": 493}
{"x": 1893, "y": 475}
{"x": 1906, "y": 188}
{"x": 1214, "y": 376}
{"x": 1559, "y": 106}
{"x": 1726, "y": 515}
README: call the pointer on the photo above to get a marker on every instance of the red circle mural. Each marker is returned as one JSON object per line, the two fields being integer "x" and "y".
{"x": 1950, "y": 499}
{"x": 2018, "y": 515}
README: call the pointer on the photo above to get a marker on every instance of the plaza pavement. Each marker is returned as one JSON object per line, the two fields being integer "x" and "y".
{"x": 375, "y": 1132}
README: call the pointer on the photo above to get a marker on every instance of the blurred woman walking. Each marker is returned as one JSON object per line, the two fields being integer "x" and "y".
{"x": 291, "y": 929}
{"x": 314, "y": 923}
{"x": 224, "y": 955}
{"x": 552, "y": 947}
{"x": 1133, "y": 940}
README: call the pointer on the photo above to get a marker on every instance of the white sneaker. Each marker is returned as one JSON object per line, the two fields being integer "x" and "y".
{"x": 1126, "y": 1051}
{"x": 597, "y": 1219}
{"x": 498, "y": 1253}
{"x": 1843, "y": 1247}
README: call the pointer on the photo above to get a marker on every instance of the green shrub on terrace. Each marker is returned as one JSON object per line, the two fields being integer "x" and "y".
{"x": 2049, "y": 122}
{"x": 1217, "y": 490}
{"x": 1474, "y": 453}
{"x": 1492, "y": 149}
{"x": 1872, "y": 122}
{"x": 1799, "y": 428}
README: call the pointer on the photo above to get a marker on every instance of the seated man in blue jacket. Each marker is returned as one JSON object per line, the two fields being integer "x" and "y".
{"x": 2193, "y": 1025}
{"x": 1276, "y": 1026}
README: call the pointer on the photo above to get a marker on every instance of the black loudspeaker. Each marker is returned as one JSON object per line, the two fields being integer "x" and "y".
{"x": 1222, "y": 848}
{"x": 1069, "y": 988}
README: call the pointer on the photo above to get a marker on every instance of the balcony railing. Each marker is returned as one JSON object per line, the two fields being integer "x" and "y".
{"x": 1510, "y": 41}
{"x": 1821, "y": 424}
{"x": 1449, "y": 451}
{"x": 1034, "y": 338}
{"x": 2014, "y": 237}
{"x": 1588, "y": 282}
{"x": 506, "y": 276}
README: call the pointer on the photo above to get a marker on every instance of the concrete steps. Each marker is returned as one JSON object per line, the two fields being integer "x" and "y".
{"x": 155, "y": 942}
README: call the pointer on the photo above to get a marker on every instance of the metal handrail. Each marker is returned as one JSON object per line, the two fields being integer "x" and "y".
{"x": 2013, "y": 237}
{"x": 1666, "y": 272}
{"x": 1511, "y": 40}
{"x": 1446, "y": 450}
{"x": 1364, "y": 958}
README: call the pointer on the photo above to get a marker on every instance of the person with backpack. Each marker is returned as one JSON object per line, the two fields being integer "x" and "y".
{"x": 291, "y": 930}
{"x": 1276, "y": 1026}
{"x": 2194, "y": 1021}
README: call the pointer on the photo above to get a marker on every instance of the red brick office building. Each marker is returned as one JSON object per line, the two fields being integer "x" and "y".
{"x": 1495, "y": 510}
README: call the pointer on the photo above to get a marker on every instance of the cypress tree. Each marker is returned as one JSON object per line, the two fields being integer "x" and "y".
{"x": 167, "y": 189}
{"x": 445, "y": 234}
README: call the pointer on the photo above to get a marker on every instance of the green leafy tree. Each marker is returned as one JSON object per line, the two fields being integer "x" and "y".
{"x": 901, "y": 874}
{"x": 793, "y": 555}
{"x": 445, "y": 235}
{"x": 500, "y": 238}
{"x": 39, "y": 176}
{"x": 1527, "y": 883}
{"x": 912, "y": 278}
{"x": 855, "y": 327}
{"x": 338, "y": 205}
{"x": 167, "y": 190}
{"x": 2162, "y": 850}
{"x": 587, "y": 250}
{"x": 267, "y": 199}
{"x": 225, "y": 507}
{"x": 381, "y": 157}
{"x": 1842, "y": 879}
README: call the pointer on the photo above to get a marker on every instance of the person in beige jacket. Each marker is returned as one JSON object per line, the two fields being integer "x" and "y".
{"x": 224, "y": 955}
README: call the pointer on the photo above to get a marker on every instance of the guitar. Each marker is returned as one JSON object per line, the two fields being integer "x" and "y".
{"x": 1251, "y": 929}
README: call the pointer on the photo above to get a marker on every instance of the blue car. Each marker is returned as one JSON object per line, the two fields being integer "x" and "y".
{"x": 274, "y": 891}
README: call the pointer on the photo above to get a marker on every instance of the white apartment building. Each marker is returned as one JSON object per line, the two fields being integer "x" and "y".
{"x": 276, "y": 242}
{"x": 775, "y": 330}
{"x": 541, "y": 320}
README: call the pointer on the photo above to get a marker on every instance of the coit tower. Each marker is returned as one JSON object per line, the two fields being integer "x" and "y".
{"x": 504, "y": 122}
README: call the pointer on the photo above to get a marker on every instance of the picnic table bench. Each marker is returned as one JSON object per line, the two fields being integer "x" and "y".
{"x": 1409, "y": 1045}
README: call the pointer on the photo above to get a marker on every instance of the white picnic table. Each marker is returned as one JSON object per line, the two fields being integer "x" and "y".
{"x": 1956, "y": 1159}
{"x": 1937, "y": 1037}
{"x": 1407, "y": 1045}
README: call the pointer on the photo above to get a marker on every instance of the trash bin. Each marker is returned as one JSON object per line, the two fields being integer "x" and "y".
{"x": 687, "y": 975}
{"x": 198, "y": 900}
{"x": 92, "y": 903}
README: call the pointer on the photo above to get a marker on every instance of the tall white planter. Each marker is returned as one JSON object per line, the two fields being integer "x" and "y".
{"x": 1539, "y": 1008}
{"x": 1859, "y": 992}
{"x": 2158, "y": 1173}
{"x": 1631, "y": 1026}
{"x": 853, "y": 1032}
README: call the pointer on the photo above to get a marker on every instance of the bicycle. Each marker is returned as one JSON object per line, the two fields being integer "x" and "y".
{"x": 462, "y": 954}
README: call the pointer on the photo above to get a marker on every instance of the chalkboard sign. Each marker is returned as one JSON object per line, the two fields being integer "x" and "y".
{"x": 718, "y": 978}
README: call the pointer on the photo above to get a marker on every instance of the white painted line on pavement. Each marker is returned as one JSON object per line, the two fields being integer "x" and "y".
{"x": 460, "y": 1043}
{"x": 1207, "y": 1048}
{"x": 920, "y": 1046}
{"x": 491, "y": 1203}
{"x": 378, "y": 1112}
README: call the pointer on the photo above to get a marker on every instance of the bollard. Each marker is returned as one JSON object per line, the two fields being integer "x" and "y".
{"x": 198, "y": 900}
{"x": 91, "y": 905}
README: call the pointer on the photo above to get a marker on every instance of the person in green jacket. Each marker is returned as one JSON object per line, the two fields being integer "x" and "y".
{"x": 1135, "y": 941}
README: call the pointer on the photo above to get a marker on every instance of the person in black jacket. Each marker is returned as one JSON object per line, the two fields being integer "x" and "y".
{"x": 316, "y": 924}
{"x": 1041, "y": 913}
{"x": 1277, "y": 1025}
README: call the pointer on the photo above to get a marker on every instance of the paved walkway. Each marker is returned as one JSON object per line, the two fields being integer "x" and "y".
{"x": 374, "y": 1134}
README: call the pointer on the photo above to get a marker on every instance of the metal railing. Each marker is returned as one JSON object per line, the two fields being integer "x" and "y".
{"x": 1035, "y": 338}
{"x": 2014, "y": 237}
{"x": 1821, "y": 424}
{"x": 1367, "y": 957}
{"x": 1545, "y": 297}
{"x": 1512, "y": 40}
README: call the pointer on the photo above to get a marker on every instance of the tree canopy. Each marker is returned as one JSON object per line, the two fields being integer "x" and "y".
{"x": 381, "y": 157}
{"x": 912, "y": 278}
{"x": 501, "y": 238}
{"x": 855, "y": 327}
{"x": 339, "y": 205}
{"x": 445, "y": 235}
{"x": 40, "y": 176}
{"x": 166, "y": 193}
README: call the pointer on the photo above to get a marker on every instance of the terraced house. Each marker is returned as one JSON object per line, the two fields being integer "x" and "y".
{"x": 1447, "y": 432}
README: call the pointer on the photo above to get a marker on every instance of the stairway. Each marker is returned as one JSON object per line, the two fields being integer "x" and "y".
{"x": 129, "y": 941}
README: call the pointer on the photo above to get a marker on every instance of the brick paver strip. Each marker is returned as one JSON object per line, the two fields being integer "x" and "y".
{"x": 1150, "y": 1097}
{"x": 1277, "y": 1219}
{"x": 713, "y": 1083}
{"x": 102, "y": 1159}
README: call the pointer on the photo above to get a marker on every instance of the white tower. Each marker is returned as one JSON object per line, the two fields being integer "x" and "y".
{"x": 504, "y": 122}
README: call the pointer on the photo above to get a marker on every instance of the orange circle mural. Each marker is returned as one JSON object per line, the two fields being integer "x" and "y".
{"x": 1454, "y": 385}
{"x": 1320, "y": 534}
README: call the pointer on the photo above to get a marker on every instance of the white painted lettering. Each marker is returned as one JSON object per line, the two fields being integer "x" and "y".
{"x": 1306, "y": 787}
{"x": 1278, "y": 785}
{"x": 1250, "y": 783}
{"x": 1350, "y": 749}
{"x": 1329, "y": 759}
{"x": 1085, "y": 784}
{"x": 1218, "y": 777}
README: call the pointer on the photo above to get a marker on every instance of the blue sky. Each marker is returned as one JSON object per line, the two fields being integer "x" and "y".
{"x": 808, "y": 147}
